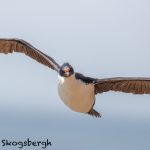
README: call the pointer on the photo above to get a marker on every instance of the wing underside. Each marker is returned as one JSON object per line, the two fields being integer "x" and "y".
{"x": 127, "y": 85}
{"x": 21, "y": 46}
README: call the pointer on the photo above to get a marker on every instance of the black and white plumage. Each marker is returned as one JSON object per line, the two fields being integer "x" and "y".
{"x": 76, "y": 90}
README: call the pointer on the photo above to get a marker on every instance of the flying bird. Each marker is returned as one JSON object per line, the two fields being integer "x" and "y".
{"x": 76, "y": 90}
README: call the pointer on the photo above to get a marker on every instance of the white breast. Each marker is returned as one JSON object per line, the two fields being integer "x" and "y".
{"x": 75, "y": 94}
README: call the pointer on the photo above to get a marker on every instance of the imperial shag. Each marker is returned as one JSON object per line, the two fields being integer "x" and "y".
{"x": 76, "y": 90}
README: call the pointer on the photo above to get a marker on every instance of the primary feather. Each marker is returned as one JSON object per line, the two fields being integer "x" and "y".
{"x": 21, "y": 46}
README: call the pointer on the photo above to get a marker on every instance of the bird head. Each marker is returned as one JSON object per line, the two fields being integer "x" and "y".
{"x": 66, "y": 70}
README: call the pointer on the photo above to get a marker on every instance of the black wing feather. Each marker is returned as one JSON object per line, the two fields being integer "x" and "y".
{"x": 21, "y": 46}
{"x": 84, "y": 79}
{"x": 127, "y": 85}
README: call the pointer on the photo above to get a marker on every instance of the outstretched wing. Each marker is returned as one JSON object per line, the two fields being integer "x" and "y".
{"x": 127, "y": 85}
{"x": 21, "y": 46}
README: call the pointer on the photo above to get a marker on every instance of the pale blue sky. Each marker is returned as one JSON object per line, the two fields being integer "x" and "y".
{"x": 100, "y": 39}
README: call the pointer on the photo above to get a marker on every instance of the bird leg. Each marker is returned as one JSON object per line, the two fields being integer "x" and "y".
{"x": 94, "y": 113}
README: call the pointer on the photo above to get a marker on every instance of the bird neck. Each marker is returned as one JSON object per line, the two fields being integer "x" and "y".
{"x": 66, "y": 79}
